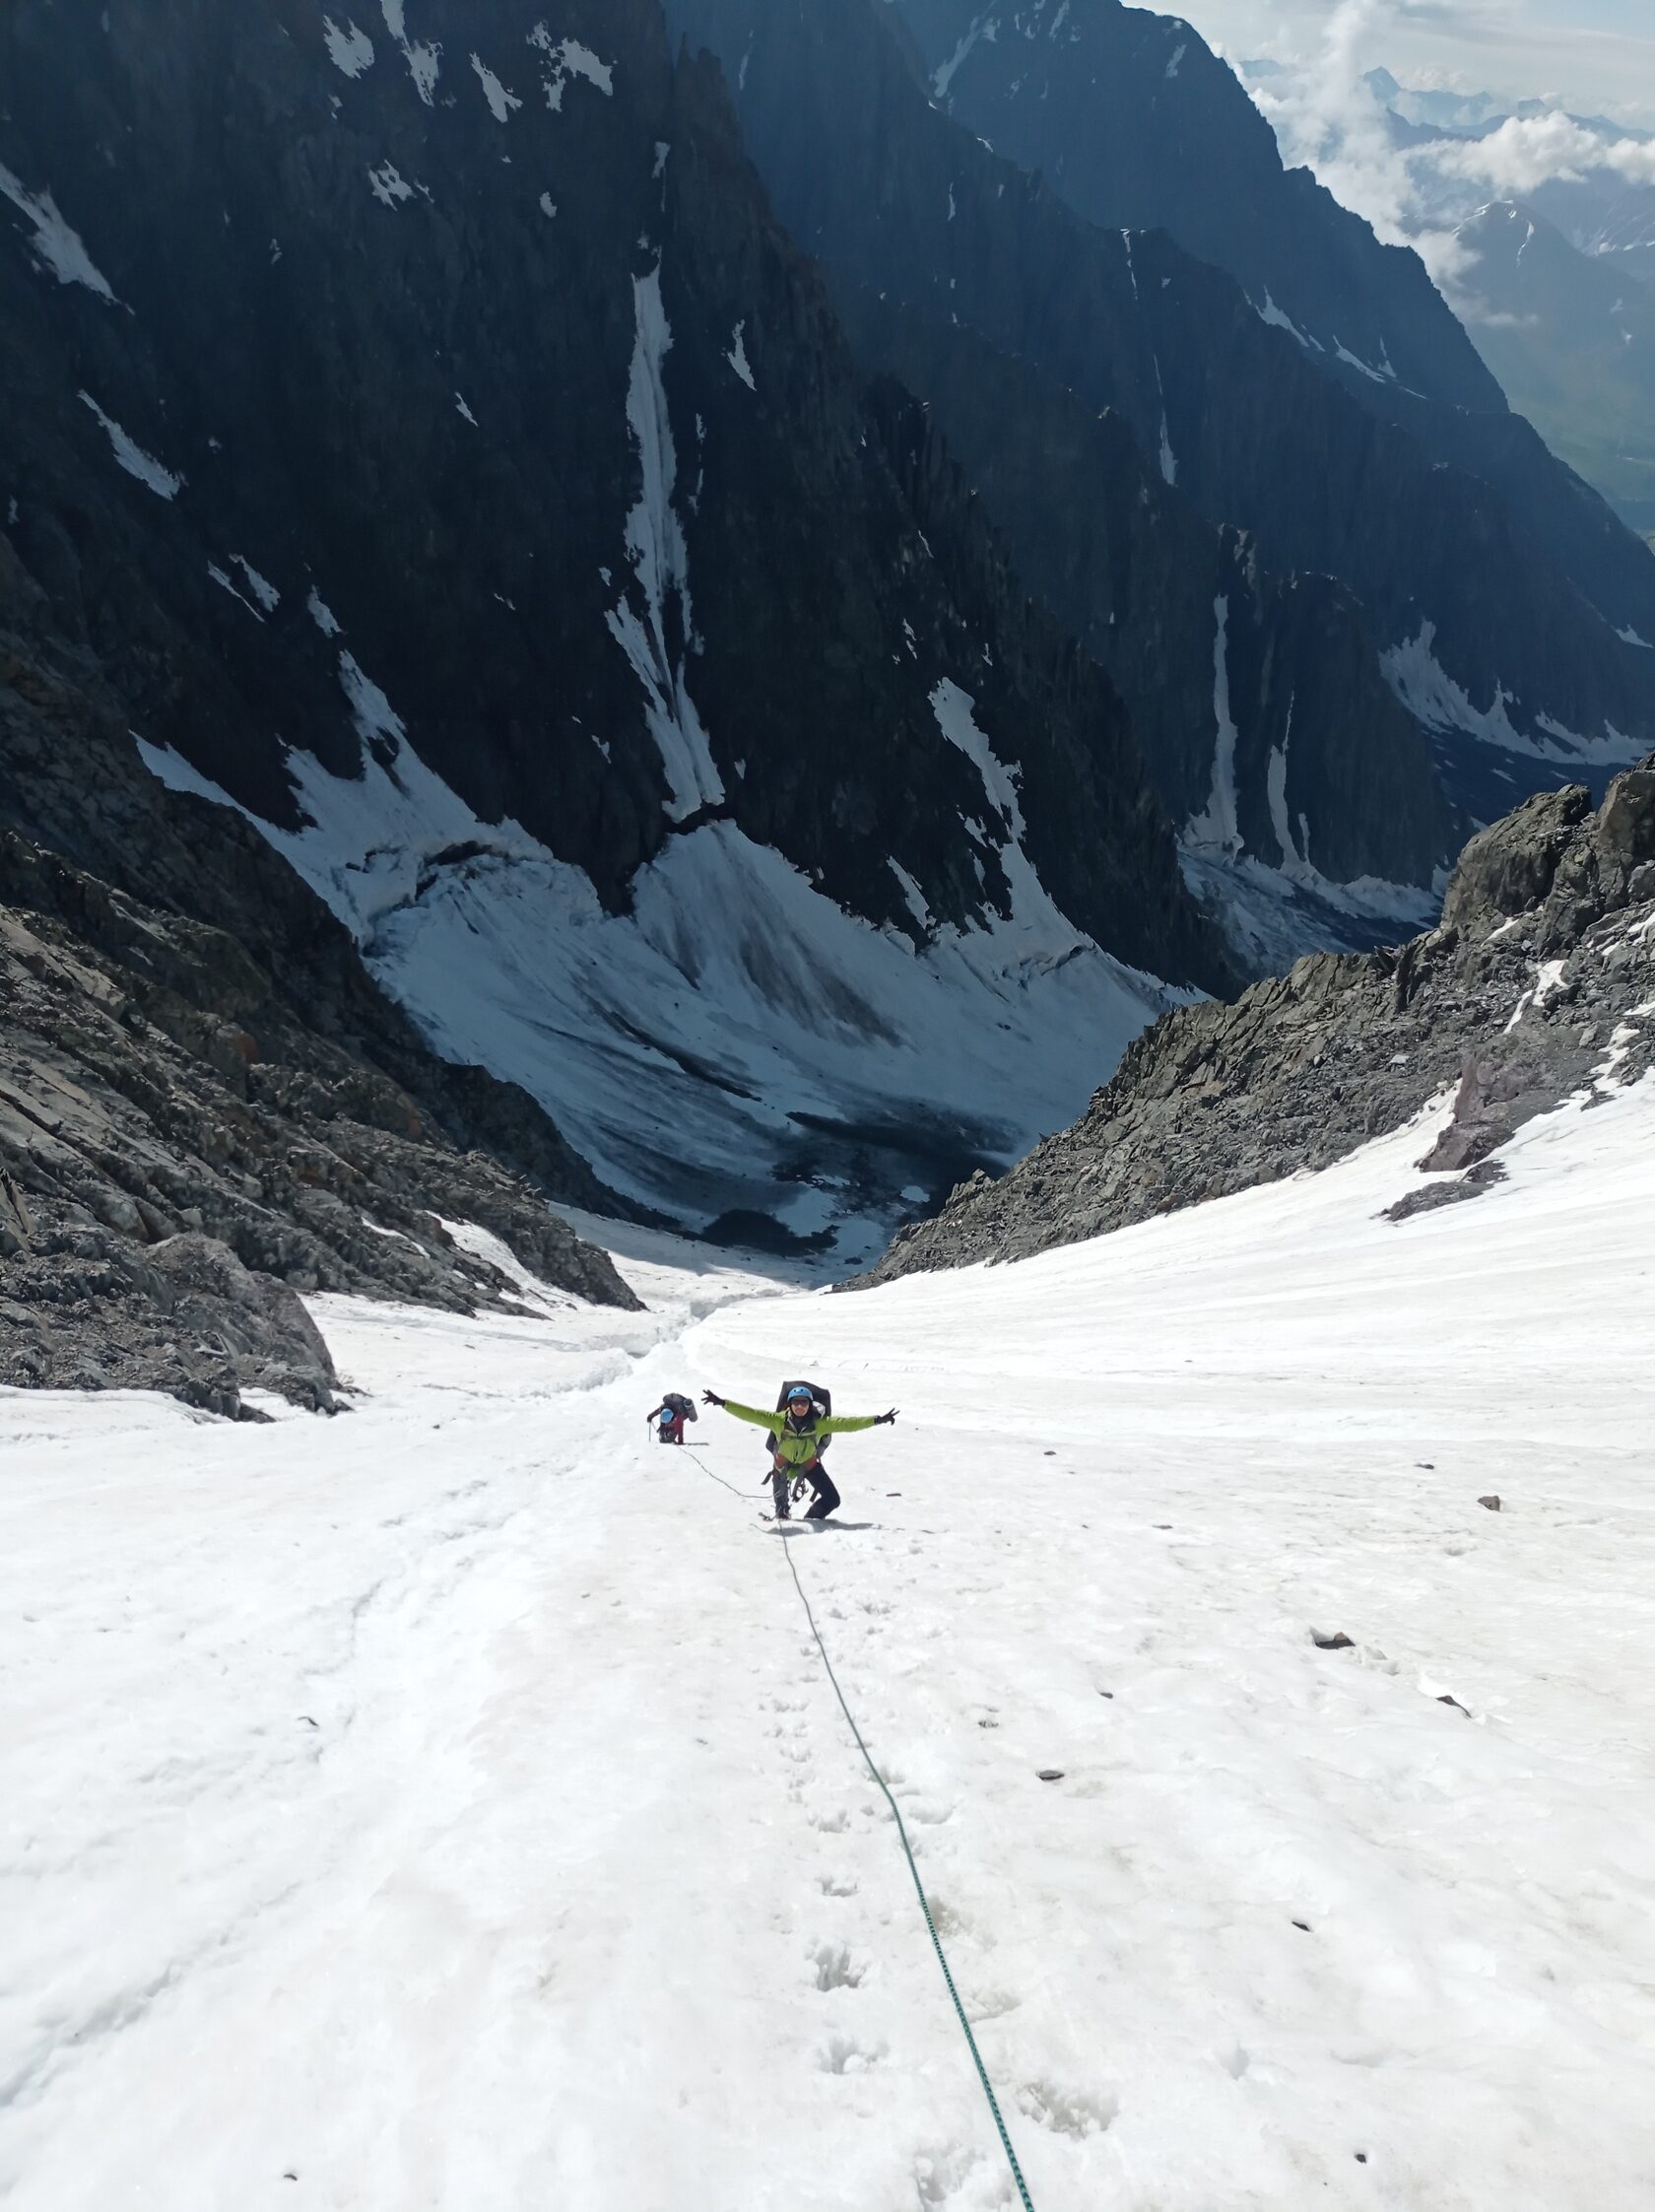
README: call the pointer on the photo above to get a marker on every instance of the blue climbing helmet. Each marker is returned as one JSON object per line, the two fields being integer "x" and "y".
{"x": 798, "y": 1393}
{"x": 667, "y": 1416}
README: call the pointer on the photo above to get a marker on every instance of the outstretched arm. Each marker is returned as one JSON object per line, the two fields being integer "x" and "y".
{"x": 759, "y": 1418}
{"x": 840, "y": 1423}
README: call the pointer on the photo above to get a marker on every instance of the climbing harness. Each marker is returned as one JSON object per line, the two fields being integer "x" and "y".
{"x": 919, "y": 1886}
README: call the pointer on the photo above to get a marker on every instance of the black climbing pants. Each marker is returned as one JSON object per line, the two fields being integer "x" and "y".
{"x": 826, "y": 1499}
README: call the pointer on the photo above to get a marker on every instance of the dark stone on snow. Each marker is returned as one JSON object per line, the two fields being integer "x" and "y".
{"x": 1492, "y": 1501}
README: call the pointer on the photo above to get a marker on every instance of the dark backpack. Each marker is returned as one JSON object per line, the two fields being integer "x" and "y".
{"x": 823, "y": 1398}
{"x": 680, "y": 1405}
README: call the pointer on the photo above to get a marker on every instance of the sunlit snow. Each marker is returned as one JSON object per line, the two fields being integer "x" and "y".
{"x": 446, "y": 1804}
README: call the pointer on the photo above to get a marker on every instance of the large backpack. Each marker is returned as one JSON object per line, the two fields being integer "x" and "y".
{"x": 681, "y": 1405}
{"x": 823, "y": 1398}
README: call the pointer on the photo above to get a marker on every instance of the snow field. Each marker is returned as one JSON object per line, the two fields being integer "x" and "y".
{"x": 445, "y": 1805}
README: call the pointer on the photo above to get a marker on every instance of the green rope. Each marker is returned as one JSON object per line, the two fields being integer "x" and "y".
{"x": 919, "y": 1888}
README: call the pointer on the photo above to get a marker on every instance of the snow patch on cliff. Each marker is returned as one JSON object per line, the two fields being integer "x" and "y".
{"x": 56, "y": 245}
{"x": 349, "y": 49}
{"x": 661, "y": 569}
{"x": 425, "y": 62}
{"x": 502, "y": 102}
{"x": 1217, "y": 828}
{"x": 1436, "y": 699}
{"x": 568, "y": 58}
{"x": 132, "y": 457}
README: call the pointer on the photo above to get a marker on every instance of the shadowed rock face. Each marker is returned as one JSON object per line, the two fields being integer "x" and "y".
{"x": 1539, "y": 982}
{"x": 430, "y": 412}
{"x": 1135, "y": 123}
{"x": 180, "y": 1156}
{"x": 1008, "y": 297}
{"x": 485, "y": 403}
{"x": 206, "y": 1107}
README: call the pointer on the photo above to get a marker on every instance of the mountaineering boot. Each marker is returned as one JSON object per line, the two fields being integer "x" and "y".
{"x": 827, "y": 1499}
{"x": 781, "y": 1478}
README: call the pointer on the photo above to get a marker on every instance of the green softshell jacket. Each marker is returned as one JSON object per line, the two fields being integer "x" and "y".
{"x": 797, "y": 1447}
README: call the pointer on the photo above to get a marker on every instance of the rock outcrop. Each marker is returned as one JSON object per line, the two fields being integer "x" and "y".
{"x": 206, "y": 1107}
{"x": 1539, "y": 984}
{"x": 180, "y": 1157}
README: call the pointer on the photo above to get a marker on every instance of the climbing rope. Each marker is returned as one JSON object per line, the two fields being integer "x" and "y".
{"x": 919, "y": 1890}
{"x": 729, "y": 1486}
{"x": 907, "y": 1853}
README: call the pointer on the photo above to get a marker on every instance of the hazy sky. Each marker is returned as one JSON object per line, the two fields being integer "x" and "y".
{"x": 1597, "y": 54}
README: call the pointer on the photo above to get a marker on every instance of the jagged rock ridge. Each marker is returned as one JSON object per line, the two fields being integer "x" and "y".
{"x": 1539, "y": 984}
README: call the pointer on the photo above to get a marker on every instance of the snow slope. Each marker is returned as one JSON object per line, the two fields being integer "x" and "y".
{"x": 445, "y": 1806}
{"x": 737, "y": 1040}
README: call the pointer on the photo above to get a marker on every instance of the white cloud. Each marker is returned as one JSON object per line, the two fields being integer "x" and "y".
{"x": 1587, "y": 55}
{"x": 1529, "y": 151}
{"x": 1327, "y": 119}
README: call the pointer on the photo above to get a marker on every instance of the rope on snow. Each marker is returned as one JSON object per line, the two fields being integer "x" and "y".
{"x": 919, "y": 1886}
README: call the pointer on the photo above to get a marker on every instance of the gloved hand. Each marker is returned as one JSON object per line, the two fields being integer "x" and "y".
{"x": 711, "y": 1398}
{"x": 887, "y": 1420}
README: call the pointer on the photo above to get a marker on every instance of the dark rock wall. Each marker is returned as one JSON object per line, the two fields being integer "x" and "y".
{"x": 1136, "y": 124}
{"x": 206, "y": 1106}
{"x": 1423, "y": 509}
{"x": 420, "y": 409}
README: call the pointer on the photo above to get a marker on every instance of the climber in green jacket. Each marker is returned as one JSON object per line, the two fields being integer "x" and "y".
{"x": 799, "y": 1433}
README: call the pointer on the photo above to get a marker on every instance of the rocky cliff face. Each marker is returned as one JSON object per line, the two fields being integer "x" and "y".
{"x": 1485, "y": 582}
{"x": 206, "y": 1107}
{"x": 1303, "y": 786}
{"x": 1135, "y": 122}
{"x": 1138, "y": 124}
{"x": 1024, "y": 330}
{"x": 1539, "y": 984}
{"x": 459, "y": 474}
